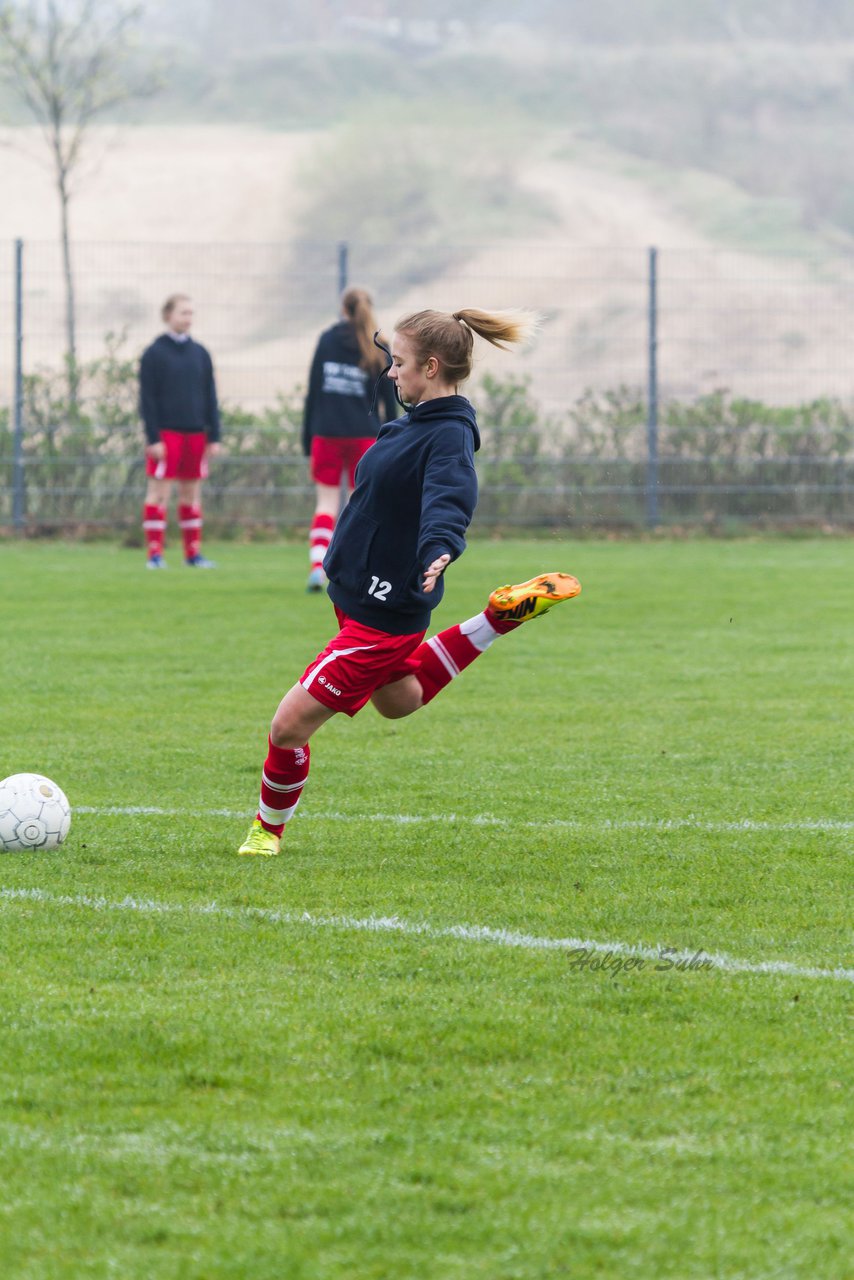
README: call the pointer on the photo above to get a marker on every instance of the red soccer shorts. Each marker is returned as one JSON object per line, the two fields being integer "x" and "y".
{"x": 185, "y": 457}
{"x": 357, "y": 662}
{"x": 332, "y": 455}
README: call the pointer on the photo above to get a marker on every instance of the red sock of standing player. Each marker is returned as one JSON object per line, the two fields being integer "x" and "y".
{"x": 284, "y": 776}
{"x": 190, "y": 520}
{"x": 319, "y": 538}
{"x": 154, "y": 528}
{"x": 444, "y": 656}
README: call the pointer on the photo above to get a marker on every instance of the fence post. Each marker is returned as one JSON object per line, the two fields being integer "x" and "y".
{"x": 18, "y": 482}
{"x": 652, "y": 396}
{"x": 343, "y": 265}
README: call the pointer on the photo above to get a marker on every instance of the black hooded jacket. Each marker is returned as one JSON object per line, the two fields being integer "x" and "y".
{"x": 338, "y": 402}
{"x": 177, "y": 390}
{"x": 415, "y": 495}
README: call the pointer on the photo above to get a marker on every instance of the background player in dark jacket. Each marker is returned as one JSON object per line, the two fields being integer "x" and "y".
{"x": 178, "y": 406}
{"x": 415, "y": 495}
{"x": 338, "y": 424}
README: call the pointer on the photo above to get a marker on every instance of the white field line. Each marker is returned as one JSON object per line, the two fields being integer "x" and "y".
{"x": 489, "y": 820}
{"x": 666, "y": 957}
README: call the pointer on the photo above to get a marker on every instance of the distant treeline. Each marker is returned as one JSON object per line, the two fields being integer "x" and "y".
{"x": 264, "y": 23}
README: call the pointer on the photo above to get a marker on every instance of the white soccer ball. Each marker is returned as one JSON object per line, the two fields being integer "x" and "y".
{"x": 34, "y": 813}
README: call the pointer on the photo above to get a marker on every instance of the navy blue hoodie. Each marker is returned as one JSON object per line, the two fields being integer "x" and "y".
{"x": 177, "y": 390}
{"x": 415, "y": 495}
{"x": 338, "y": 401}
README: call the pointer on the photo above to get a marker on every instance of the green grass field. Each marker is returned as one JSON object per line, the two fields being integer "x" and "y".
{"x": 324, "y": 1065}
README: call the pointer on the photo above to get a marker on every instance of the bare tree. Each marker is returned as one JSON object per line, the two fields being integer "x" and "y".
{"x": 68, "y": 63}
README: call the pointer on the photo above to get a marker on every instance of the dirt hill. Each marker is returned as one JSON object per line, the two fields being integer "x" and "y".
{"x": 210, "y": 209}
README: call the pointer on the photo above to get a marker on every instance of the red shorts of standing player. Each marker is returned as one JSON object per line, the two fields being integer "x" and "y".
{"x": 334, "y": 457}
{"x": 184, "y": 457}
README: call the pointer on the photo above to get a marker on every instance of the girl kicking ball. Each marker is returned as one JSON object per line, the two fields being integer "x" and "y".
{"x": 415, "y": 495}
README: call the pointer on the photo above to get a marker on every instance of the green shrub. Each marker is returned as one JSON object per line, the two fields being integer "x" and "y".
{"x": 722, "y": 458}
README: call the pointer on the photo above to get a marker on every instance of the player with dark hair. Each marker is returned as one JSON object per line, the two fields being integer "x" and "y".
{"x": 415, "y": 495}
{"x": 178, "y": 406}
{"x": 339, "y": 419}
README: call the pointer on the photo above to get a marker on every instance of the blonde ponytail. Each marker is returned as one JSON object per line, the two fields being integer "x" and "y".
{"x": 500, "y": 327}
{"x": 450, "y": 337}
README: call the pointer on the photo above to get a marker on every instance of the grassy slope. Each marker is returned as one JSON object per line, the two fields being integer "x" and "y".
{"x": 201, "y": 1095}
{"x": 773, "y": 119}
{"x": 770, "y": 120}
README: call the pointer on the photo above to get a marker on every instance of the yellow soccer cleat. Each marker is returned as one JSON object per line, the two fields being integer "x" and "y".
{"x": 260, "y": 842}
{"x": 532, "y": 599}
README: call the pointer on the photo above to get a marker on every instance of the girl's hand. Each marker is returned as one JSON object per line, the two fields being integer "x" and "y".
{"x": 433, "y": 572}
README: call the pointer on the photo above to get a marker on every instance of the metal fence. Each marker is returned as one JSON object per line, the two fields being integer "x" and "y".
{"x": 666, "y": 386}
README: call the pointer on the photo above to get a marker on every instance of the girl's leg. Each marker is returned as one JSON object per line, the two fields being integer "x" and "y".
{"x": 154, "y": 517}
{"x": 439, "y": 659}
{"x": 327, "y": 502}
{"x": 297, "y": 717}
{"x": 190, "y": 517}
{"x": 399, "y": 699}
{"x": 446, "y": 655}
{"x": 285, "y": 771}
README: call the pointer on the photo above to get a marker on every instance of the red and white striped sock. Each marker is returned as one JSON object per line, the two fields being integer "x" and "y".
{"x": 319, "y": 538}
{"x": 444, "y": 656}
{"x": 190, "y": 520}
{"x": 284, "y": 776}
{"x": 499, "y": 624}
{"x": 154, "y": 527}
